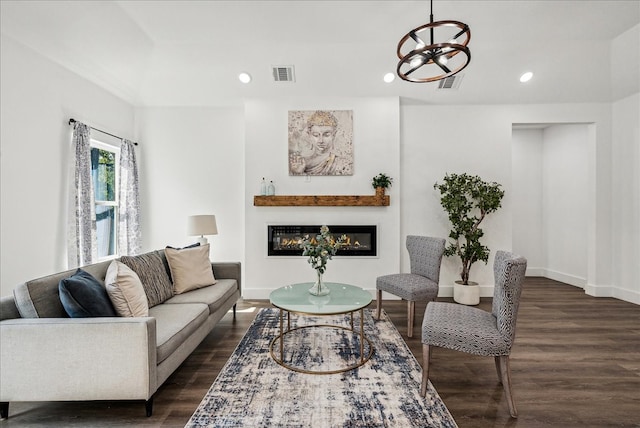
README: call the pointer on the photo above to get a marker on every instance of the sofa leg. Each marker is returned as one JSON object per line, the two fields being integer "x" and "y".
{"x": 4, "y": 410}
{"x": 234, "y": 311}
{"x": 148, "y": 405}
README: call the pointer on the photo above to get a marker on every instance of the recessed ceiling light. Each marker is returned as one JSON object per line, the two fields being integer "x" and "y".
{"x": 526, "y": 77}
{"x": 389, "y": 77}
{"x": 244, "y": 77}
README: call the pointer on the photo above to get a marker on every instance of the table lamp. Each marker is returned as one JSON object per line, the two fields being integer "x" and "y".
{"x": 202, "y": 225}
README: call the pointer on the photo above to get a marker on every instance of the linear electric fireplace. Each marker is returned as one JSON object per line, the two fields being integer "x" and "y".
{"x": 285, "y": 240}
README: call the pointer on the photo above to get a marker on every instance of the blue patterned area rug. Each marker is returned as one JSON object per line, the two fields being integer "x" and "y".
{"x": 252, "y": 390}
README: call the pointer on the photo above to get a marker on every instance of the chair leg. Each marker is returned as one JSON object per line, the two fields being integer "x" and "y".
{"x": 496, "y": 359}
{"x": 4, "y": 410}
{"x": 411, "y": 309}
{"x": 506, "y": 383}
{"x": 425, "y": 369}
{"x": 379, "y": 302}
{"x": 234, "y": 311}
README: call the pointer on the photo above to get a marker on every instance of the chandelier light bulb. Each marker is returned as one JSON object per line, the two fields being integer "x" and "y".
{"x": 416, "y": 62}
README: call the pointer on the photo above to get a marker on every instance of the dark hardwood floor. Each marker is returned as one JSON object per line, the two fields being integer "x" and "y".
{"x": 575, "y": 363}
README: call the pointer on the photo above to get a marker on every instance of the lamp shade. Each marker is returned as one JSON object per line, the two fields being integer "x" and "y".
{"x": 202, "y": 225}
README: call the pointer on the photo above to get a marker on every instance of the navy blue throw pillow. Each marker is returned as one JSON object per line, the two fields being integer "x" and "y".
{"x": 82, "y": 296}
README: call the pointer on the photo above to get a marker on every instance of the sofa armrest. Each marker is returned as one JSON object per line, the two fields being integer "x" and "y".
{"x": 227, "y": 270}
{"x": 53, "y": 359}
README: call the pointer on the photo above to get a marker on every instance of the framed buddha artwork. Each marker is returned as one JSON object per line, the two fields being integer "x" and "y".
{"x": 321, "y": 142}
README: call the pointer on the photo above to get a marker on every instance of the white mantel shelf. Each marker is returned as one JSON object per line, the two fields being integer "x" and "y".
{"x": 322, "y": 201}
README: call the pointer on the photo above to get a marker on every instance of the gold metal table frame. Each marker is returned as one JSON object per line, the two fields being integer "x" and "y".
{"x": 279, "y": 340}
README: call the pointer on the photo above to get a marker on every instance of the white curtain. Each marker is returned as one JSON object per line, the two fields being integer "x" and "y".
{"x": 81, "y": 231}
{"x": 129, "y": 237}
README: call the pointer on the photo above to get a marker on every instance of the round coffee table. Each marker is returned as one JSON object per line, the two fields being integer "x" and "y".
{"x": 343, "y": 299}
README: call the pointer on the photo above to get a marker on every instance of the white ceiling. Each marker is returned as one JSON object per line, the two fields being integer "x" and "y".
{"x": 189, "y": 53}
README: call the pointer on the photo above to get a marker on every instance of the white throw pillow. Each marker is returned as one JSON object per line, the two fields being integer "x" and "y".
{"x": 126, "y": 291}
{"x": 190, "y": 268}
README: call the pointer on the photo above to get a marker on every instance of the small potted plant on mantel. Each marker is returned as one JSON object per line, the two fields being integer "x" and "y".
{"x": 380, "y": 182}
{"x": 467, "y": 200}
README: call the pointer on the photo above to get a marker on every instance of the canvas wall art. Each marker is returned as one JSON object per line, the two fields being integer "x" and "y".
{"x": 321, "y": 142}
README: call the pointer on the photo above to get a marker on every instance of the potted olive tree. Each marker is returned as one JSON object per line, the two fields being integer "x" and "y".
{"x": 380, "y": 182}
{"x": 467, "y": 200}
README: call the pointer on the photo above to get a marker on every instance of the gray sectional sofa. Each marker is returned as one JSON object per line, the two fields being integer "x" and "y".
{"x": 47, "y": 356}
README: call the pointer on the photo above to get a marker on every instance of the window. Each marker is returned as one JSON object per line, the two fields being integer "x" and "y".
{"x": 104, "y": 173}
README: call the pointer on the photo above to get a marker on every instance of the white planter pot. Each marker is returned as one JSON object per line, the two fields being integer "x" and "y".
{"x": 466, "y": 294}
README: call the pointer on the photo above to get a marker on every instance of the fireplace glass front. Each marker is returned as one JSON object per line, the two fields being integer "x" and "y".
{"x": 285, "y": 240}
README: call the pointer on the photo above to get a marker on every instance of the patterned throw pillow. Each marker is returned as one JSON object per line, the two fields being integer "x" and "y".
{"x": 153, "y": 274}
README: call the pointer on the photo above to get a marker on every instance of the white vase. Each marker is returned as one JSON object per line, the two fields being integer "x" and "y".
{"x": 466, "y": 294}
{"x": 319, "y": 289}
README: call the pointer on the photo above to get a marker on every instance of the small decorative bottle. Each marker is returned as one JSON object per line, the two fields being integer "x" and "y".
{"x": 263, "y": 187}
{"x": 271, "y": 190}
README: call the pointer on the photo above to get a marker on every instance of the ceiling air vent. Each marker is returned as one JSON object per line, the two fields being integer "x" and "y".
{"x": 451, "y": 82}
{"x": 283, "y": 73}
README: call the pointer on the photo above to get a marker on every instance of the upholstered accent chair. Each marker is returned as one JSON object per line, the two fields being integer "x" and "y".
{"x": 421, "y": 285}
{"x": 475, "y": 331}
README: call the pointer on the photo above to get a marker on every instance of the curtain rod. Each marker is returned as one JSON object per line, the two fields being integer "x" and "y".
{"x": 72, "y": 120}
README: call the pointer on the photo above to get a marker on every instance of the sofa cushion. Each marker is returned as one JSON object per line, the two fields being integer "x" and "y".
{"x": 174, "y": 324}
{"x": 125, "y": 291}
{"x": 154, "y": 274}
{"x": 190, "y": 268}
{"x": 82, "y": 296}
{"x": 213, "y": 297}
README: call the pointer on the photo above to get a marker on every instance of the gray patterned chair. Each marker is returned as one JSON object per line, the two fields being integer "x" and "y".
{"x": 421, "y": 285}
{"x": 474, "y": 331}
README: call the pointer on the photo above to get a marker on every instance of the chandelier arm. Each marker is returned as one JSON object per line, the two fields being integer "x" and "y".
{"x": 415, "y": 37}
{"x": 464, "y": 30}
{"x": 443, "y": 67}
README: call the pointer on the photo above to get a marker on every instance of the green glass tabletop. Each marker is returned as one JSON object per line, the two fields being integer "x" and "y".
{"x": 343, "y": 298}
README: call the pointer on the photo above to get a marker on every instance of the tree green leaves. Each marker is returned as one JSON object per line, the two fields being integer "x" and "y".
{"x": 467, "y": 200}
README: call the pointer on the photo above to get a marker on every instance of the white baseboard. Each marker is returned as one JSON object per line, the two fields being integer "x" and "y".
{"x": 535, "y": 271}
{"x": 566, "y": 278}
{"x": 626, "y": 295}
{"x": 630, "y": 296}
{"x": 446, "y": 290}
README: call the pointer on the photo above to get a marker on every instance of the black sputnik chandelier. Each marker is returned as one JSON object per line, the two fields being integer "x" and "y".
{"x": 422, "y": 59}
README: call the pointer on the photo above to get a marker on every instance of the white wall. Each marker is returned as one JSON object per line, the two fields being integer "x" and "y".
{"x": 626, "y": 199}
{"x": 528, "y": 236}
{"x": 376, "y": 149}
{"x": 564, "y": 202}
{"x": 192, "y": 163}
{"x": 38, "y": 97}
{"x": 550, "y": 169}
{"x": 454, "y": 139}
